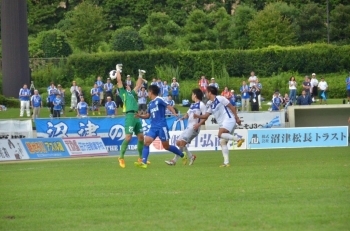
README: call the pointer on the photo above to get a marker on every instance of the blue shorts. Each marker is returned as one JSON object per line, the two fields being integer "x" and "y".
{"x": 161, "y": 132}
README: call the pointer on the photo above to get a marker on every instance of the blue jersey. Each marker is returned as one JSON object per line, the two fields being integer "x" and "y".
{"x": 36, "y": 100}
{"x": 109, "y": 87}
{"x": 24, "y": 94}
{"x": 99, "y": 85}
{"x": 175, "y": 88}
{"x": 245, "y": 92}
{"x": 95, "y": 95}
{"x": 57, "y": 104}
{"x": 347, "y": 83}
{"x": 52, "y": 93}
{"x": 157, "y": 108}
{"x": 82, "y": 108}
{"x": 165, "y": 90}
{"x": 276, "y": 102}
{"x": 110, "y": 108}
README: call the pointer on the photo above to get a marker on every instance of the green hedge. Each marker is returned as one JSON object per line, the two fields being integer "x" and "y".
{"x": 319, "y": 58}
{"x": 9, "y": 102}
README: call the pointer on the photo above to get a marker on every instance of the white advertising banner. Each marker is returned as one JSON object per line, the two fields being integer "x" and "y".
{"x": 207, "y": 140}
{"x": 85, "y": 146}
{"x": 16, "y": 129}
{"x": 12, "y": 149}
{"x": 253, "y": 120}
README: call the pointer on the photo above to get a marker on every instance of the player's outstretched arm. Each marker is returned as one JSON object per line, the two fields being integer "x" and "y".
{"x": 142, "y": 116}
{"x": 171, "y": 108}
{"x": 119, "y": 79}
{"x": 139, "y": 81}
{"x": 205, "y": 116}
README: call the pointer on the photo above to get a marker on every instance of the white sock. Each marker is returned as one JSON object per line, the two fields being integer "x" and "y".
{"x": 176, "y": 157}
{"x": 228, "y": 136}
{"x": 224, "y": 149}
{"x": 189, "y": 154}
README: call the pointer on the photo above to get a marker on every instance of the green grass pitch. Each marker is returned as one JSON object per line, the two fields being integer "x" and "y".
{"x": 284, "y": 189}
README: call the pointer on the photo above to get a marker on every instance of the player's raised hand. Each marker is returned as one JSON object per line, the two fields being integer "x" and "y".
{"x": 119, "y": 67}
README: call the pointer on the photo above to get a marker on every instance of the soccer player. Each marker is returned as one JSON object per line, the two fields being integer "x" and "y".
{"x": 226, "y": 116}
{"x": 193, "y": 126}
{"x": 82, "y": 108}
{"x": 159, "y": 128}
{"x": 132, "y": 124}
{"x": 110, "y": 107}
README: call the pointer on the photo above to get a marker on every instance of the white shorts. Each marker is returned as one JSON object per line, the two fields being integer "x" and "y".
{"x": 229, "y": 125}
{"x": 188, "y": 135}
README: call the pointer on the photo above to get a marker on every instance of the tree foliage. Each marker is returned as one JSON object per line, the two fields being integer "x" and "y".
{"x": 340, "y": 26}
{"x": 312, "y": 23}
{"x": 270, "y": 27}
{"x": 86, "y": 27}
{"x": 126, "y": 39}
{"x": 243, "y": 15}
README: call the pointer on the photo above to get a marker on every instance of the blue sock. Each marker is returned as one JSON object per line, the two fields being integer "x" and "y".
{"x": 145, "y": 153}
{"x": 175, "y": 150}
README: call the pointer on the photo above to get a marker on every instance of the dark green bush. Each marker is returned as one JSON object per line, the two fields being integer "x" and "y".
{"x": 9, "y": 102}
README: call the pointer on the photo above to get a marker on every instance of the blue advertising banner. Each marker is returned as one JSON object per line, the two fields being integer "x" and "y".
{"x": 111, "y": 130}
{"x": 297, "y": 137}
{"x": 45, "y": 148}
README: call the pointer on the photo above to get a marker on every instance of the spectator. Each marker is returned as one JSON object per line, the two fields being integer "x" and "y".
{"x": 52, "y": 92}
{"x": 36, "y": 103}
{"x": 233, "y": 99}
{"x": 258, "y": 88}
{"x": 80, "y": 94}
{"x": 286, "y": 101}
{"x": 154, "y": 81}
{"x": 165, "y": 89}
{"x": 276, "y": 101}
{"x": 203, "y": 83}
{"x": 292, "y": 90}
{"x": 111, "y": 107}
{"x": 109, "y": 88}
{"x": 314, "y": 87}
{"x": 100, "y": 85}
{"x": 57, "y": 106}
{"x": 160, "y": 85}
{"x": 24, "y": 97}
{"x": 171, "y": 102}
{"x": 245, "y": 96}
{"x": 254, "y": 97}
{"x": 95, "y": 99}
{"x": 227, "y": 94}
{"x": 82, "y": 108}
{"x": 323, "y": 86}
{"x": 142, "y": 100}
{"x": 304, "y": 99}
{"x": 61, "y": 92}
{"x": 347, "y": 81}
{"x": 175, "y": 90}
{"x": 129, "y": 82}
{"x": 252, "y": 79}
{"x": 74, "y": 90}
{"x": 213, "y": 83}
{"x": 307, "y": 85}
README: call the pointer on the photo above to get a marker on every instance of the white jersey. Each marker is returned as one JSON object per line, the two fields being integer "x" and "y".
{"x": 195, "y": 108}
{"x": 218, "y": 108}
{"x": 314, "y": 82}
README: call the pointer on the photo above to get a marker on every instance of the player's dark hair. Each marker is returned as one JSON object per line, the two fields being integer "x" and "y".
{"x": 154, "y": 89}
{"x": 213, "y": 90}
{"x": 198, "y": 93}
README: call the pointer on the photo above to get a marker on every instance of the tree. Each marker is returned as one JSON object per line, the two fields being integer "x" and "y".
{"x": 54, "y": 43}
{"x": 87, "y": 26}
{"x": 160, "y": 31}
{"x": 312, "y": 23}
{"x": 222, "y": 27}
{"x": 198, "y": 31}
{"x": 269, "y": 27}
{"x": 126, "y": 39}
{"x": 242, "y": 16}
{"x": 339, "y": 24}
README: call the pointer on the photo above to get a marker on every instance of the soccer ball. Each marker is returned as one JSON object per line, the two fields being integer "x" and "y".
{"x": 113, "y": 74}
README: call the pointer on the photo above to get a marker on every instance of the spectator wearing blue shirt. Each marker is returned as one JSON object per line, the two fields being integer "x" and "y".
{"x": 95, "y": 99}
{"x": 160, "y": 85}
{"x": 158, "y": 127}
{"x": 175, "y": 90}
{"x": 154, "y": 81}
{"x": 142, "y": 100}
{"x": 82, "y": 108}
{"x": 347, "y": 81}
{"x": 276, "y": 101}
{"x": 111, "y": 107}
{"x": 100, "y": 86}
{"x": 304, "y": 99}
{"x": 165, "y": 89}
{"x": 24, "y": 97}
{"x": 109, "y": 88}
{"x": 36, "y": 103}
{"x": 245, "y": 96}
{"x": 57, "y": 106}
{"x": 171, "y": 102}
